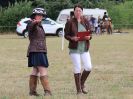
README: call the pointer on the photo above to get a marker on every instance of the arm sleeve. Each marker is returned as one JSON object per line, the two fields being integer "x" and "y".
{"x": 31, "y": 26}
{"x": 67, "y": 30}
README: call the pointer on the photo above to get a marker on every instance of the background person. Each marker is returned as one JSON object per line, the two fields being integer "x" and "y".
{"x": 79, "y": 49}
{"x": 92, "y": 21}
{"x": 99, "y": 25}
{"x": 37, "y": 52}
{"x": 96, "y": 25}
{"x": 105, "y": 16}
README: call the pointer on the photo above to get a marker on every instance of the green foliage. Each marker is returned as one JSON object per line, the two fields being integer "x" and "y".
{"x": 122, "y": 15}
{"x": 56, "y": 7}
{"x": 11, "y": 15}
{"x": 53, "y": 7}
{"x": 14, "y": 13}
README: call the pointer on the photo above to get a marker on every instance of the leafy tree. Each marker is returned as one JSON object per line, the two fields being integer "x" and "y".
{"x": 11, "y": 15}
{"x": 120, "y": 13}
{"x": 53, "y": 7}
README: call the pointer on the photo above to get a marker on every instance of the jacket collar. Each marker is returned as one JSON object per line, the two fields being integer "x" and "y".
{"x": 82, "y": 22}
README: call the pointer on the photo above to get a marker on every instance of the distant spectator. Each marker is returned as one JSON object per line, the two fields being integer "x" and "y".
{"x": 71, "y": 14}
{"x": 96, "y": 25}
{"x": 105, "y": 16}
{"x": 99, "y": 25}
{"x": 92, "y": 19}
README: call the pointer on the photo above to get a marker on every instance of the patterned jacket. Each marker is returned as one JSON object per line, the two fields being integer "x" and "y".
{"x": 36, "y": 38}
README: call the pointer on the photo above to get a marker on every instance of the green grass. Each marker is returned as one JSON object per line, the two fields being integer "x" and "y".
{"x": 111, "y": 77}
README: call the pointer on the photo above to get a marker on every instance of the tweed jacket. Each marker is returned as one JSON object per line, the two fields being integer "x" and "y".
{"x": 36, "y": 38}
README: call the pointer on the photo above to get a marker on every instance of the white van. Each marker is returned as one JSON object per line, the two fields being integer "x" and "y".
{"x": 65, "y": 14}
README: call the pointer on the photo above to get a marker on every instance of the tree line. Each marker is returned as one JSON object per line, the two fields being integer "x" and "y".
{"x": 11, "y": 14}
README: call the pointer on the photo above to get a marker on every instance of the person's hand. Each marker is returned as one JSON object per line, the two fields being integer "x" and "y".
{"x": 36, "y": 21}
{"x": 87, "y": 37}
{"x": 75, "y": 38}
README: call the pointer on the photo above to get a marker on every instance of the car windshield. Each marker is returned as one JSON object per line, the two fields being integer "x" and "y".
{"x": 64, "y": 17}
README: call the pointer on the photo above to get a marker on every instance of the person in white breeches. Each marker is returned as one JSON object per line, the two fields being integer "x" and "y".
{"x": 79, "y": 59}
{"x": 79, "y": 47}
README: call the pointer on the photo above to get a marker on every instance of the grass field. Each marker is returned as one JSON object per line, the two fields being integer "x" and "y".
{"x": 111, "y": 77}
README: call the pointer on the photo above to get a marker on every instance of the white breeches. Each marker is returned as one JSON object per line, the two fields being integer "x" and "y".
{"x": 77, "y": 58}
